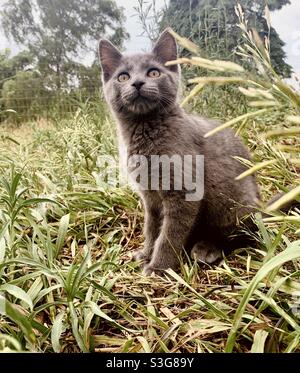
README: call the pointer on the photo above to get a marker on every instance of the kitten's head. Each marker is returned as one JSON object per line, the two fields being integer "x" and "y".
{"x": 140, "y": 84}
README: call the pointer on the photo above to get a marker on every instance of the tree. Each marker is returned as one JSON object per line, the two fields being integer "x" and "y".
{"x": 212, "y": 24}
{"x": 25, "y": 93}
{"x": 58, "y": 32}
{"x": 9, "y": 66}
{"x": 19, "y": 86}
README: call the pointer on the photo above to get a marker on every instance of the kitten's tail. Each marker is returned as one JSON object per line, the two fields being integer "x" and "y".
{"x": 250, "y": 226}
{"x": 287, "y": 207}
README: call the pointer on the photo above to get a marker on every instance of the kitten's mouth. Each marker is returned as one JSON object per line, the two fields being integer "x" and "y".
{"x": 140, "y": 102}
{"x": 140, "y": 97}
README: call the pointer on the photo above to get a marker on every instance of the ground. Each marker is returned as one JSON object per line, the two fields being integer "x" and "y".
{"x": 67, "y": 274}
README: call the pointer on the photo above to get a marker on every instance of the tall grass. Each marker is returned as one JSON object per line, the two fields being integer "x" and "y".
{"x": 67, "y": 279}
{"x": 274, "y": 104}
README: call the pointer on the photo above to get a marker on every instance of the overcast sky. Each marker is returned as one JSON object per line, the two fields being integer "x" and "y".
{"x": 285, "y": 21}
{"x": 137, "y": 42}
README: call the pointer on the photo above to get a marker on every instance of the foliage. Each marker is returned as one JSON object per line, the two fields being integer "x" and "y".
{"x": 212, "y": 25}
{"x": 67, "y": 279}
{"x": 266, "y": 92}
{"x": 9, "y": 66}
{"x": 25, "y": 93}
{"x": 150, "y": 17}
{"x": 57, "y": 32}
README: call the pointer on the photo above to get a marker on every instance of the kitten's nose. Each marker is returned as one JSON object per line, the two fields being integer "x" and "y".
{"x": 138, "y": 84}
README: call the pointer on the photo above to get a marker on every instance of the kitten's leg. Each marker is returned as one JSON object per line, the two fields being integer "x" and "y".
{"x": 206, "y": 252}
{"x": 152, "y": 225}
{"x": 178, "y": 220}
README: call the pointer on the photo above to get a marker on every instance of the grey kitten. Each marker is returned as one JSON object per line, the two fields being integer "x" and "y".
{"x": 143, "y": 95}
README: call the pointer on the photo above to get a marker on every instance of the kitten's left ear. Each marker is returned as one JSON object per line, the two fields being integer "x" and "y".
{"x": 166, "y": 49}
{"x": 110, "y": 58}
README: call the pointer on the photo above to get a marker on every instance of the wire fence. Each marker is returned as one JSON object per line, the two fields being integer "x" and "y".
{"x": 25, "y": 96}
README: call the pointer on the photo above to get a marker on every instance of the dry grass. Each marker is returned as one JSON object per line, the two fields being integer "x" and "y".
{"x": 24, "y": 131}
{"x": 70, "y": 263}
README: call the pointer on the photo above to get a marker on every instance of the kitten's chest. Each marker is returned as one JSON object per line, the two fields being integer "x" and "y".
{"x": 145, "y": 139}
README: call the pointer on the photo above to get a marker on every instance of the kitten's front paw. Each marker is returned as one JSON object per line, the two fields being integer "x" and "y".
{"x": 205, "y": 252}
{"x": 159, "y": 267}
{"x": 148, "y": 270}
{"x": 141, "y": 256}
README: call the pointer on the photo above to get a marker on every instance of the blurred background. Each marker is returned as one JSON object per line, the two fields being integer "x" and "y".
{"x": 48, "y": 49}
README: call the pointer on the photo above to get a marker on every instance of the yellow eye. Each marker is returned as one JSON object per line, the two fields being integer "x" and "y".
{"x": 154, "y": 73}
{"x": 123, "y": 77}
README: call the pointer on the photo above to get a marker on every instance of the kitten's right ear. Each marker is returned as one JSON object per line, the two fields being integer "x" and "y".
{"x": 110, "y": 58}
{"x": 166, "y": 49}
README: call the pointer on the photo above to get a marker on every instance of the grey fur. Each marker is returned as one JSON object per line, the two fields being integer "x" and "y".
{"x": 151, "y": 122}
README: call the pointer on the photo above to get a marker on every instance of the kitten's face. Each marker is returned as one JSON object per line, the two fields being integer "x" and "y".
{"x": 140, "y": 84}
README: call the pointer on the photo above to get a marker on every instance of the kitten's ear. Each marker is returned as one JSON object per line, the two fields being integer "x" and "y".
{"x": 110, "y": 58}
{"x": 166, "y": 49}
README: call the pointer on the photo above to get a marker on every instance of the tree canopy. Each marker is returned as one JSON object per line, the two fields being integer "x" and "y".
{"x": 9, "y": 66}
{"x": 58, "y": 33}
{"x": 212, "y": 24}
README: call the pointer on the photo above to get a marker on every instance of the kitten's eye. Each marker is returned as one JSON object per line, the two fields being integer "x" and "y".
{"x": 123, "y": 77}
{"x": 153, "y": 73}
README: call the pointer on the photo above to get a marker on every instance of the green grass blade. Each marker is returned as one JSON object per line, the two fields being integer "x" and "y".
{"x": 62, "y": 232}
{"x": 18, "y": 293}
{"x": 291, "y": 253}
{"x": 56, "y": 332}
